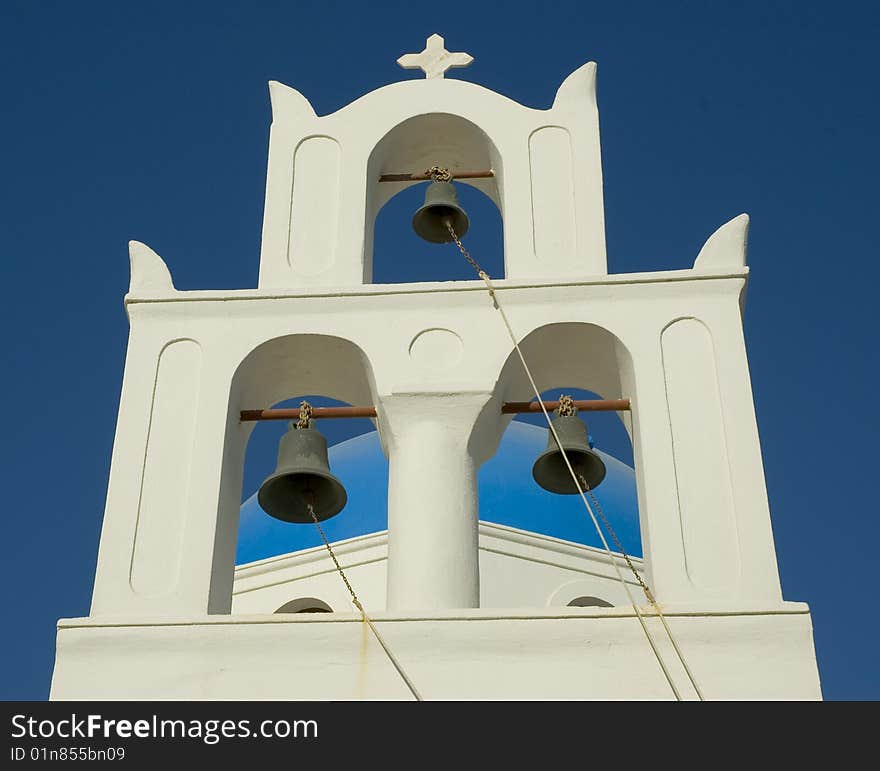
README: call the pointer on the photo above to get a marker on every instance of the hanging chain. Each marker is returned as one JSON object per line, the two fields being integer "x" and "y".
{"x": 305, "y": 415}
{"x": 354, "y": 597}
{"x": 438, "y": 174}
{"x": 598, "y": 507}
{"x": 357, "y": 603}
{"x": 567, "y": 408}
{"x": 467, "y": 255}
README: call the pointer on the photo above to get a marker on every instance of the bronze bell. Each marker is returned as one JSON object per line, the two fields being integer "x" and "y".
{"x": 441, "y": 204}
{"x": 550, "y": 470}
{"x": 302, "y": 476}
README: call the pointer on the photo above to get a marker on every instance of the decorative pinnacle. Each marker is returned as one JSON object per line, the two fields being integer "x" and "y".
{"x": 435, "y": 59}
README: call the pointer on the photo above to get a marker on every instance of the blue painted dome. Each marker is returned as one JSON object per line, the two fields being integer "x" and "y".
{"x": 508, "y": 496}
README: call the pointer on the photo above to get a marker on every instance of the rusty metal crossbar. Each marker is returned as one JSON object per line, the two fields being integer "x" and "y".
{"x": 423, "y": 177}
{"x": 508, "y": 408}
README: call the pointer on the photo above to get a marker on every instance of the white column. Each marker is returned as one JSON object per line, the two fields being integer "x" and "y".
{"x": 432, "y": 502}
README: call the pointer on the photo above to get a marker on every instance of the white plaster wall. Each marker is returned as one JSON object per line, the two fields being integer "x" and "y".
{"x": 266, "y": 585}
{"x": 517, "y": 569}
{"x": 571, "y": 654}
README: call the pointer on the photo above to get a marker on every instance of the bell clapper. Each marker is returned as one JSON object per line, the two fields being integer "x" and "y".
{"x": 309, "y": 495}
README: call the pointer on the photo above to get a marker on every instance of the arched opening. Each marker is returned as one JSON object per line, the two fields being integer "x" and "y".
{"x": 586, "y": 362}
{"x": 327, "y": 371}
{"x": 393, "y": 253}
{"x": 305, "y": 605}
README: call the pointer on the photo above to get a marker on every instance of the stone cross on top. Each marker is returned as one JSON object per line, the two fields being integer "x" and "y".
{"x": 435, "y": 59}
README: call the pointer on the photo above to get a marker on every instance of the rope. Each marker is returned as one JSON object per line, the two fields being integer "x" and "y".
{"x": 357, "y": 604}
{"x": 491, "y": 289}
{"x": 305, "y": 415}
{"x": 438, "y": 174}
{"x": 644, "y": 586}
{"x": 618, "y": 545}
{"x": 567, "y": 408}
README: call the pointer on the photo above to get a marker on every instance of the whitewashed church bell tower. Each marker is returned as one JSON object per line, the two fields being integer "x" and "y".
{"x": 457, "y": 607}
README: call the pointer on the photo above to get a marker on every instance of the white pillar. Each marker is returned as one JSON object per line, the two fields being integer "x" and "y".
{"x": 432, "y": 501}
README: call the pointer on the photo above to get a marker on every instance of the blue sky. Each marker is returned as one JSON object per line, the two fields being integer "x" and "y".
{"x": 150, "y": 121}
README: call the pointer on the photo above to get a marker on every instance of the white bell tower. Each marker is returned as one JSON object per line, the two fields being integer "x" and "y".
{"x": 437, "y": 363}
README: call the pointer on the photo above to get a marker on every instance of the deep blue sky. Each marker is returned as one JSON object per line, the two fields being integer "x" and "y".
{"x": 150, "y": 121}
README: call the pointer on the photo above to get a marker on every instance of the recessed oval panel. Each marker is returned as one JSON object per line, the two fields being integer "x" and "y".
{"x": 699, "y": 449}
{"x": 162, "y": 508}
{"x": 314, "y": 206}
{"x": 553, "y": 209}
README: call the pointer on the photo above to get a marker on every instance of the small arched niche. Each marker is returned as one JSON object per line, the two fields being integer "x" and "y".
{"x": 589, "y": 602}
{"x": 592, "y": 592}
{"x": 305, "y": 605}
{"x": 392, "y": 251}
